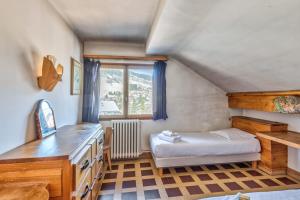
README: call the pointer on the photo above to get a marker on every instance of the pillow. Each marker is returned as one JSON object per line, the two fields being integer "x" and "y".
{"x": 238, "y": 196}
{"x": 233, "y": 134}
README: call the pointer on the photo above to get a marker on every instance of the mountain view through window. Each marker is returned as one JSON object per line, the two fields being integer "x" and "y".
{"x": 122, "y": 95}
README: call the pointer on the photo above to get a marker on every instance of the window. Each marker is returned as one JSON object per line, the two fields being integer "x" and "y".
{"x": 125, "y": 91}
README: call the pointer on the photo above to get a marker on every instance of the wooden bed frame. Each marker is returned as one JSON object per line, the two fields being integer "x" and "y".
{"x": 253, "y": 126}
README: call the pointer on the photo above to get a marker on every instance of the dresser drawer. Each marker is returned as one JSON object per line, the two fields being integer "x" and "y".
{"x": 99, "y": 162}
{"x": 84, "y": 191}
{"x": 100, "y": 141}
{"x": 93, "y": 143}
{"x": 94, "y": 168}
{"x": 81, "y": 165}
{"x": 95, "y": 189}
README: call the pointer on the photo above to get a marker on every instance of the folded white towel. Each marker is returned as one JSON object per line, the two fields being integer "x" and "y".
{"x": 169, "y": 133}
{"x": 173, "y": 139}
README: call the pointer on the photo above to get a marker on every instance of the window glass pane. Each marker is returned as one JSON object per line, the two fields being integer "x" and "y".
{"x": 140, "y": 91}
{"x": 111, "y": 91}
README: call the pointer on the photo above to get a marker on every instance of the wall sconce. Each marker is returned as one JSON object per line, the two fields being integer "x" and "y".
{"x": 50, "y": 74}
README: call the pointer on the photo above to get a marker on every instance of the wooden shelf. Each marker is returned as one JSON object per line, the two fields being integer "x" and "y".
{"x": 276, "y": 101}
{"x": 266, "y": 93}
{"x": 288, "y": 138}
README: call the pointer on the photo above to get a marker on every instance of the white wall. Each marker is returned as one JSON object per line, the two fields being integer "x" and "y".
{"x": 114, "y": 48}
{"x": 193, "y": 103}
{"x": 293, "y": 120}
{"x": 30, "y": 30}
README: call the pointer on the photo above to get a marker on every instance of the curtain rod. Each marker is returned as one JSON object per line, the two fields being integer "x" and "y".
{"x": 142, "y": 58}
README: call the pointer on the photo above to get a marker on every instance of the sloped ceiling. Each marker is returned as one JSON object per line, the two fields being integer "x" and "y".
{"x": 113, "y": 20}
{"x": 239, "y": 45}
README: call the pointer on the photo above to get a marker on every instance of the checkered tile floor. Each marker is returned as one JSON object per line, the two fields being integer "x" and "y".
{"x": 138, "y": 179}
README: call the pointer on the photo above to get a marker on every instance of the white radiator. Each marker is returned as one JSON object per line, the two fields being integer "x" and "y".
{"x": 126, "y": 139}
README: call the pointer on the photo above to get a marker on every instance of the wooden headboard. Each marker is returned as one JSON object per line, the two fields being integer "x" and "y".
{"x": 254, "y": 125}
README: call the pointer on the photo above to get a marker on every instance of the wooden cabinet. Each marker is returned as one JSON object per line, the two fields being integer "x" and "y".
{"x": 69, "y": 162}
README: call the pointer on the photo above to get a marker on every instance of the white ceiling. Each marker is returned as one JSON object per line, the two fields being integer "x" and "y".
{"x": 240, "y": 45}
{"x": 117, "y": 20}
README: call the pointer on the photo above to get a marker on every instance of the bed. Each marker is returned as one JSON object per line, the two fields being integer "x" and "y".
{"x": 204, "y": 148}
{"x": 208, "y": 148}
{"x": 274, "y": 195}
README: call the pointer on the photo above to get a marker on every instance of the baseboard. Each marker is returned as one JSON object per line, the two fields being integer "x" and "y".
{"x": 293, "y": 173}
{"x": 144, "y": 155}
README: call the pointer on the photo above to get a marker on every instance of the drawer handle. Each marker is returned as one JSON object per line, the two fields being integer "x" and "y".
{"x": 100, "y": 177}
{"x": 85, "y": 165}
{"x": 86, "y": 191}
{"x": 100, "y": 158}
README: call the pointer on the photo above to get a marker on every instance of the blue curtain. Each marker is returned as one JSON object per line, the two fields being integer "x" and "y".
{"x": 159, "y": 91}
{"x": 91, "y": 91}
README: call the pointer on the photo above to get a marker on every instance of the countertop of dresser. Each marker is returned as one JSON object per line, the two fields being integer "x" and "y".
{"x": 64, "y": 144}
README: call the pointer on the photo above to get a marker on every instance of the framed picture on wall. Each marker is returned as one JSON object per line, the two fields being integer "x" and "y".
{"x": 76, "y": 77}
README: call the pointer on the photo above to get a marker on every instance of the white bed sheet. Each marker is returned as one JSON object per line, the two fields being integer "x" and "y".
{"x": 274, "y": 195}
{"x": 202, "y": 144}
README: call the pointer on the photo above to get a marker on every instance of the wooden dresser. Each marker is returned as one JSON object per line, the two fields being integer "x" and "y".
{"x": 70, "y": 162}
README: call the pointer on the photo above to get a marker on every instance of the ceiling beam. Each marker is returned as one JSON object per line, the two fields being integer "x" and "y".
{"x": 143, "y": 58}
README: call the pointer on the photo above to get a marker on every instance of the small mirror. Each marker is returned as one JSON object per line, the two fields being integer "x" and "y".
{"x": 44, "y": 117}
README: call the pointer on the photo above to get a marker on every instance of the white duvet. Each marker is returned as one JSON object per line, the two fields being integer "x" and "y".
{"x": 275, "y": 195}
{"x": 203, "y": 144}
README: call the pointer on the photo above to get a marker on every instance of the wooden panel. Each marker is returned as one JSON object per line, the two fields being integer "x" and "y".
{"x": 266, "y": 93}
{"x": 262, "y": 103}
{"x": 24, "y": 191}
{"x": 273, "y": 155}
{"x": 282, "y": 101}
{"x": 273, "y": 158}
{"x": 254, "y": 125}
{"x": 49, "y": 172}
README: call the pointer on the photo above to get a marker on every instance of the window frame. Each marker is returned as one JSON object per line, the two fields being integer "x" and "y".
{"x": 126, "y": 67}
